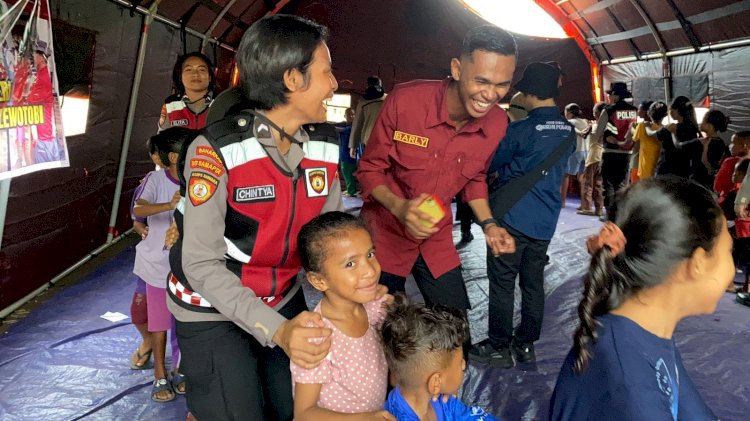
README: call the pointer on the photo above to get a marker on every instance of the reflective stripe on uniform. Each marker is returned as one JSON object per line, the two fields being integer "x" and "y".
{"x": 186, "y": 295}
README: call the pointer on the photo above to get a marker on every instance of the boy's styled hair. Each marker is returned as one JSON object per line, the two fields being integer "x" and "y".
{"x": 271, "y": 47}
{"x": 488, "y": 38}
{"x": 313, "y": 235}
{"x": 418, "y": 340}
{"x": 664, "y": 220}
{"x": 170, "y": 140}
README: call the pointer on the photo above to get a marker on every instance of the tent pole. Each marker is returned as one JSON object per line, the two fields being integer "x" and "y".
{"x": 216, "y": 21}
{"x": 4, "y": 194}
{"x": 147, "y": 20}
{"x": 667, "y": 75}
{"x": 170, "y": 22}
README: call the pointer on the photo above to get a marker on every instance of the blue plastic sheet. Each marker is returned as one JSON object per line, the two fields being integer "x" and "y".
{"x": 64, "y": 362}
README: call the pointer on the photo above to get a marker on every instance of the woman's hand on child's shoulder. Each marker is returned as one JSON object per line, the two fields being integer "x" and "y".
{"x": 294, "y": 337}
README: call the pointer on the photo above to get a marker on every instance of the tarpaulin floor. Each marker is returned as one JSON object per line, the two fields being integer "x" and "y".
{"x": 64, "y": 362}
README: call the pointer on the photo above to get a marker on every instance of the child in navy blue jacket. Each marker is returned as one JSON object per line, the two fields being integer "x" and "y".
{"x": 423, "y": 347}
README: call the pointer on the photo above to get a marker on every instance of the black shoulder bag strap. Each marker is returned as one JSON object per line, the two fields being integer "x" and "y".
{"x": 505, "y": 197}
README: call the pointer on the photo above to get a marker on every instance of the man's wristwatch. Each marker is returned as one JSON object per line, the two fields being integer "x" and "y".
{"x": 487, "y": 222}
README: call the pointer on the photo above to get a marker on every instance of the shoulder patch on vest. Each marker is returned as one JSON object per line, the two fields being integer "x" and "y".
{"x": 209, "y": 152}
{"x": 207, "y": 165}
{"x": 201, "y": 187}
{"x": 316, "y": 181}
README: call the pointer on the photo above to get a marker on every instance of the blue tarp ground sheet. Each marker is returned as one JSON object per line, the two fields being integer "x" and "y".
{"x": 64, "y": 362}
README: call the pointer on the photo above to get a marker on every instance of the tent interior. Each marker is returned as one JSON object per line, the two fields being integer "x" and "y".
{"x": 57, "y": 220}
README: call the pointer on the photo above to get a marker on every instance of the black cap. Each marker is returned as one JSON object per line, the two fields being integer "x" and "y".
{"x": 620, "y": 89}
{"x": 374, "y": 88}
{"x": 374, "y": 81}
{"x": 539, "y": 79}
{"x": 556, "y": 64}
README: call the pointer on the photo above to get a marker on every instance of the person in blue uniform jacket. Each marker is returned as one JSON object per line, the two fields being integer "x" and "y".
{"x": 665, "y": 255}
{"x": 531, "y": 221}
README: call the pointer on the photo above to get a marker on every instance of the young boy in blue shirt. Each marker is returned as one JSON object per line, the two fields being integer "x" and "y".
{"x": 423, "y": 347}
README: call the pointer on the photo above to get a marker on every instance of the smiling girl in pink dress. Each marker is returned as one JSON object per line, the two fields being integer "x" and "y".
{"x": 338, "y": 255}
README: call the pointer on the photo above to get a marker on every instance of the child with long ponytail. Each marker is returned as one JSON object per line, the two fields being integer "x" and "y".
{"x": 664, "y": 255}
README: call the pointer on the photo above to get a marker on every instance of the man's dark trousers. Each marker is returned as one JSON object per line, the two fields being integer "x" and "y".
{"x": 528, "y": 261}
{"x": 614, "y": 174}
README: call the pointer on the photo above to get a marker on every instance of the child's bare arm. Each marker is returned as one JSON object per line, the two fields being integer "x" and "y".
{"x": 144, "y": 209}
{"x": 652, "y": 132}
{"x": 306, "y": 407}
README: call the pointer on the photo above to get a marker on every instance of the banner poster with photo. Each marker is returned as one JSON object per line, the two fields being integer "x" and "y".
{"x": 31, "y": 133}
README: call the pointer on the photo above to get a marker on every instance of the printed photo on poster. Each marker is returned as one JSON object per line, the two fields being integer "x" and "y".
{"x": 31, "y": 133}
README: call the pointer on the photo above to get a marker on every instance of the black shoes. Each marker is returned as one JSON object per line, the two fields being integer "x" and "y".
{"x": 485, "y": 353}
{"x": 743, "y": 298}
{"x": 524, "y": 353}
{"x": 466, "y": 237}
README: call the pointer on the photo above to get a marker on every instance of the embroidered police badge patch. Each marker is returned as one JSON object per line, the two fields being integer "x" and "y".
{"x": 201, "y": 187}
{"x": 316, "y": 180}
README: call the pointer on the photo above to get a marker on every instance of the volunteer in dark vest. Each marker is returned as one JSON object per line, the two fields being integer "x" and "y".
{"x": 193, "y": 78}
{"x": 252, "y": 180}
{"x": 615, "y": 121}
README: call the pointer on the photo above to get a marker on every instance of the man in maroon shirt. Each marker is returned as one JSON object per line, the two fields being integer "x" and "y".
{"x": 437, "y": 138}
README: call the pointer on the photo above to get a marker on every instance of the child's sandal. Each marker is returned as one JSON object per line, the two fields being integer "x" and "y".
{"x": 161, "y": 385}
{"x": 144, "y": 359}
{"x": 178, "y": 383}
